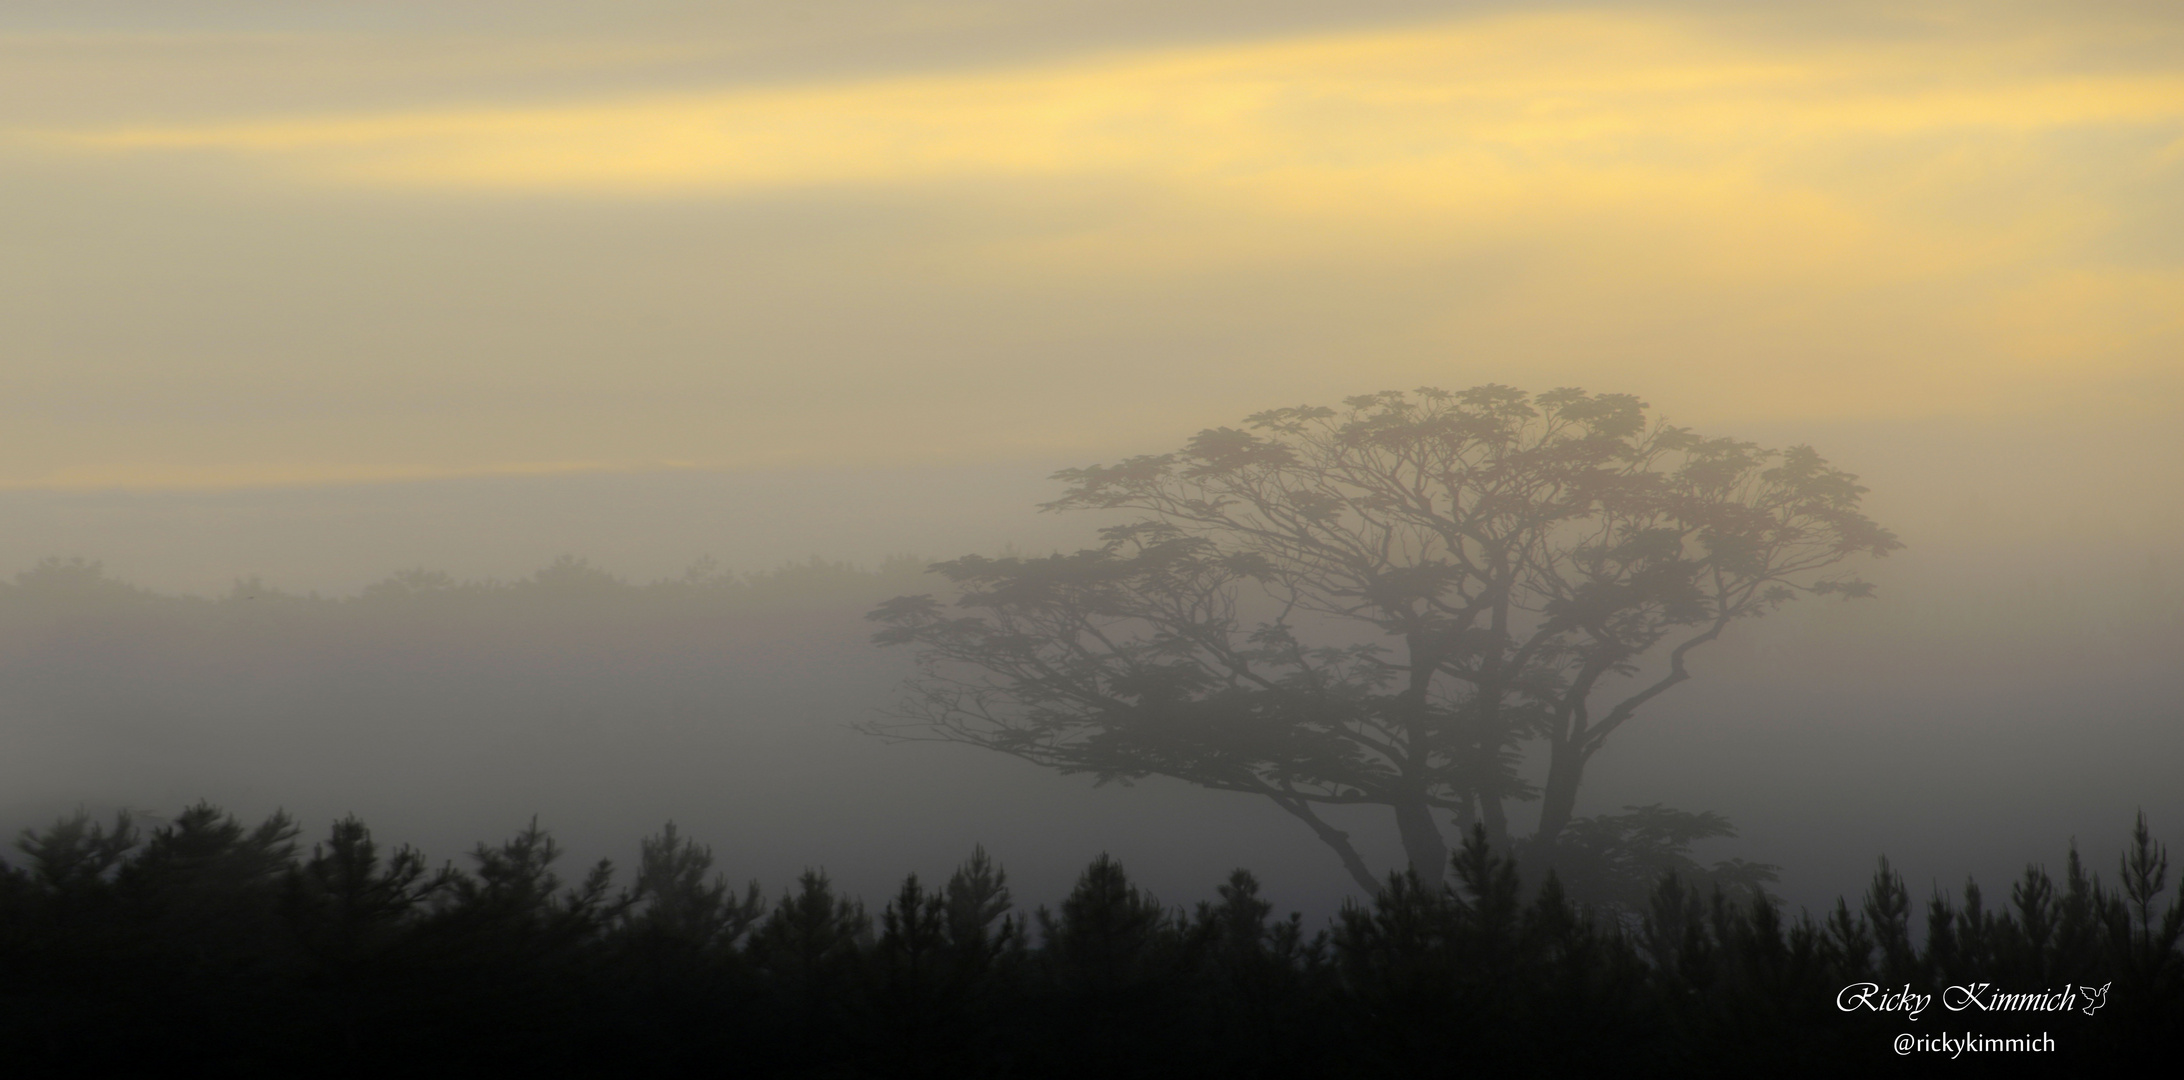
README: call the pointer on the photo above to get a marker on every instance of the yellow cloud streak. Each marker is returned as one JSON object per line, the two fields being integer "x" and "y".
{"x": 1892, "y": 206}
{"x": 1416, "y": 114}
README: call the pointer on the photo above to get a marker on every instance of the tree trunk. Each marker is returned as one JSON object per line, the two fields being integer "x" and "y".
{"x": 1565, "y": 767}
{"x": 1497, "y": 821}
{"x": 1334, "y": 838}
{"x": 1423, "y": 843}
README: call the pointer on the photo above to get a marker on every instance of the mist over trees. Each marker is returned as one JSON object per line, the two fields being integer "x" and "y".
{"x": 463, "y": 705}
{"x": 375, "y": 372}
{"x": 1391, "y": 604}
{"x": 442, "y": 708}
{"x": 457, "y": 703}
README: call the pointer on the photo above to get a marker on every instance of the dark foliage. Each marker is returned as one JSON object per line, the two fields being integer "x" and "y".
{"x": 205, "y": 945}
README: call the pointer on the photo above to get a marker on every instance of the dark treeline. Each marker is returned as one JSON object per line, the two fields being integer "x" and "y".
{"x": 203, "y": 943}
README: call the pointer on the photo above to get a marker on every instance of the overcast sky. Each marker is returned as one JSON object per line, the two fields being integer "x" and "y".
{"x": 292, "y": 244}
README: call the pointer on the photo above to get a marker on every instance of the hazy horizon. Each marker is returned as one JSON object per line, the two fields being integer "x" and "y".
{"x": 310, "y": 294}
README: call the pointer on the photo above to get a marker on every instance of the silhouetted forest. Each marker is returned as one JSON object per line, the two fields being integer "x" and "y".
{"x": 205, "y": 943}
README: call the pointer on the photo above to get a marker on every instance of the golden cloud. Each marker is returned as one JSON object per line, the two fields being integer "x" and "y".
{"x": 1441, "y": 115}
{"x": 1924, "y": 223}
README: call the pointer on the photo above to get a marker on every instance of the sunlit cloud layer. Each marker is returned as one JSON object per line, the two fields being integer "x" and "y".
{"x": 1966, "y": 218}
{"x": 1435, "y": 117}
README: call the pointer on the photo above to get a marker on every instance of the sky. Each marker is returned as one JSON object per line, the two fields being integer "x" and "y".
{"x": 292, "y": 245}
{"x": 320, "y": 291}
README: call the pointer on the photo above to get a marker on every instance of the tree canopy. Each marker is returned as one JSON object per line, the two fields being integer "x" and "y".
{"x": 1395, "y": 603}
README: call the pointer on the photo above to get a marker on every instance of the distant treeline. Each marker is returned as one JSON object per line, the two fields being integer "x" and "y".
{"x": 203, "y": 944}
{"x": 70, "y": 617}
{"x": 78, "y": 643}
{"x": 79, "y": 582}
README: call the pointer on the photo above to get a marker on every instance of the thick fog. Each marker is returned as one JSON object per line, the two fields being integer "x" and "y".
{"x": 690, "y": 646}
{"x": 454, "y": 414}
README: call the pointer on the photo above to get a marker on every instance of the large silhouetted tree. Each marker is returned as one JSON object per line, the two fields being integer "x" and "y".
{"x": 1387, "y": 604}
